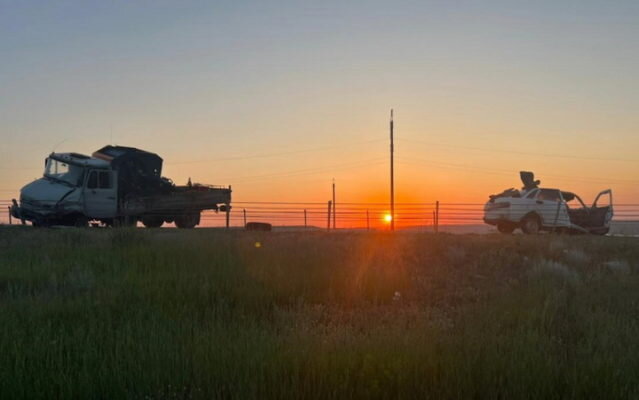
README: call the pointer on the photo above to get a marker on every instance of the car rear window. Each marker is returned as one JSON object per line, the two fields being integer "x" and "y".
{"x": 549, "y": 195}
{"x": 532, "y": 194}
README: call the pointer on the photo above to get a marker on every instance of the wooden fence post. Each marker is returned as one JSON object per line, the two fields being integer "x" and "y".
{"x": 368, "y": 221}
{"x": 434, "y": 229}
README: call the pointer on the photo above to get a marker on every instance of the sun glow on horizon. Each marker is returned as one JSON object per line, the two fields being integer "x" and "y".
{"x": 388, "y": 217}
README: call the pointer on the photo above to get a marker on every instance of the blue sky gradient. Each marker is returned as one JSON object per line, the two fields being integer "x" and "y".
{"x": 200, "y": 81}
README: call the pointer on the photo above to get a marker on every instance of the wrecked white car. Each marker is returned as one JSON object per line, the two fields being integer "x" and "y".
{"x": 534, "y": 209}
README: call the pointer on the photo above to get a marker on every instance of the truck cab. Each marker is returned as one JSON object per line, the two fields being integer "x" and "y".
{"x": 60, "y": 196}
{"x": 100, "y": 194}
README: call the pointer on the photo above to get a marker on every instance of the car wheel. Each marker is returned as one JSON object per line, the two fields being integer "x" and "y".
{"x": 531, "y": 225}
{"x": 505, "y": 227}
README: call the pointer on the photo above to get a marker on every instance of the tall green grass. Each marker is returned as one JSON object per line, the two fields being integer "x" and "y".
{"x": 166, "y": 314}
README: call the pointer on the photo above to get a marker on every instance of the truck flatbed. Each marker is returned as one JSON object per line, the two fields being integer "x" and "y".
{"x": 182, "y": 199}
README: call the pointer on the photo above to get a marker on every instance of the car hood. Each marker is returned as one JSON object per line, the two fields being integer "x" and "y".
{"x": 45, "y": 192}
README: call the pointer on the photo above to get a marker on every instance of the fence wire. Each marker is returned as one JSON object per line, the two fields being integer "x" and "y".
{"x": 355, "y": 215}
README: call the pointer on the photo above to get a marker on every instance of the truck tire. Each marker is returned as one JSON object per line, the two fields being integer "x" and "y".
{"x": 531, "y": 224}
{"x": 152, "y": 222}
{"x": 81, "y": 221}
{"x": 187, "y": 221}
{"x": 600, "y": 231}
{"x": 125, "y": 222}
{"x": 506, "y": 227}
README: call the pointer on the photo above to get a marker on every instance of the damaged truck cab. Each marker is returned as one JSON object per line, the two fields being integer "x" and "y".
{"x": 116, "y": 186}
{"x": 73, "y": 189}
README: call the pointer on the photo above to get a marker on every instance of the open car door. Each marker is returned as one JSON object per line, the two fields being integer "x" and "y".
{"x": 601, "y": 213}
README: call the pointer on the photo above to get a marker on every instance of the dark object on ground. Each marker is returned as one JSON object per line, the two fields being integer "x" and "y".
{"x": 259, "y": 226}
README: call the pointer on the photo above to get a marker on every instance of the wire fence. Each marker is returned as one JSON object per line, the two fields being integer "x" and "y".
{"x": 364, "y": 215}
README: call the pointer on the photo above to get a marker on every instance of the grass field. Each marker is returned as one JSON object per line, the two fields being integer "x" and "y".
{"x": 168, "y": 314}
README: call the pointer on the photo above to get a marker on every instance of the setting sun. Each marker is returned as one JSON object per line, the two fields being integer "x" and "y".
{"x": 388, "y": 218}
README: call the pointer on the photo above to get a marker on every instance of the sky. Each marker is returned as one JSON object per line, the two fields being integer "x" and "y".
{"x": 278, "y": 98}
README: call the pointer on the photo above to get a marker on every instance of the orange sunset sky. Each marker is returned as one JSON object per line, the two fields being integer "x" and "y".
{"x": 279, "y": 99}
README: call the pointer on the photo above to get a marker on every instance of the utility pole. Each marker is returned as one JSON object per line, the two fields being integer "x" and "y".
{"x": 333, "y": 203}
{"x": 328, "y": 216}
{"x": 244, "y": 210}
{"x": 10, "y": 221}
{"x": 305, "y": 226}
{"x": 392, "y": 175}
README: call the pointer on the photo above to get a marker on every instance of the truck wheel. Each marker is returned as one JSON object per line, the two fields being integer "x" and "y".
{"x": 124, "y": 222}
{"x": 600, "y": 231}
{"x": 531, "y": 224}
{"x": 152, "y": 222}
{"x": 505, "y": 227}
{"x": 187, "y": 221}
{"x": 81, "y": 222}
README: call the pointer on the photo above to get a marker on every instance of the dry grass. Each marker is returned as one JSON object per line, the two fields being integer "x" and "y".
{"x": 206, "y": 314}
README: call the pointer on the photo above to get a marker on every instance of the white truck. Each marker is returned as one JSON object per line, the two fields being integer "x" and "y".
{"x": 115, "y": 186}
{"x": 535, "y": 209}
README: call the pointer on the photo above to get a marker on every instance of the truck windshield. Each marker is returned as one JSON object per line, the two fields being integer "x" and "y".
{"x": 69, "y": 173}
